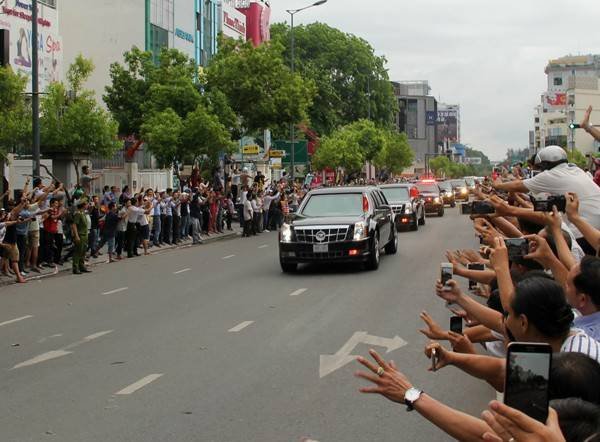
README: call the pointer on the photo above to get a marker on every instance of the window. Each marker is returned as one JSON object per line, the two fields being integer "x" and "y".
{"x": 159, "y": 38}
{"x": 537, "y": 119}
{"x": 341, "y": 204}
{"x": 162, "y": 14}
{"x": 558, "y": 81}
{"x": 51, "y": 3}
{"x": 396, "y": 193}
{"x": 412, "y": 119}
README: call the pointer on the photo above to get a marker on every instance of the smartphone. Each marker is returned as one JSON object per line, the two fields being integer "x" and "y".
{"x": 474, "y": 266}
{"x": 528, "y": 379}
{"x": 456, "y": 324}
{"x": 447, "y": 270}
{"x": 517, "y": 247}
{"x": 482, "y": 208}
{"x": 434, "y": 359}
{"x": 466, "y": 208}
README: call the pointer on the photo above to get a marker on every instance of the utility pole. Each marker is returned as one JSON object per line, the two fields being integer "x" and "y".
{"x": 35, "y": 93}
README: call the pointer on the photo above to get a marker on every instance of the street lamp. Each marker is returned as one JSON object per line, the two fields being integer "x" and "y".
{"x": 292, "y": 13}
{"x": 35, "y": 95}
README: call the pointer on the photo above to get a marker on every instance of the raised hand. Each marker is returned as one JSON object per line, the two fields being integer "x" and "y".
{"x": 389, "y": 382}
{"x": 433, "y": 330}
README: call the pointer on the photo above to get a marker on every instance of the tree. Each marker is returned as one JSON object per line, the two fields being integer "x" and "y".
{"x": 339, "y": 150}
{"x": 162, "y": 131}
{"x": 74, "y": 122}
{"x": 345, "y": 69}
{"x": 15, "y": 115}
{"x": 439, "y": 165}
{"x": 576, "y": 157}
{"x": 259, "y": 86}
{"x": 204, "y": 134}
{"x": 483, "y": 169}
{"x": 396, "y": 155}
{"x": 369, "y": 137}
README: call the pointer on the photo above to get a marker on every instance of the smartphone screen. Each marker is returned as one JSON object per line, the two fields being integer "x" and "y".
{"x": 434, "y": 359}
{"x": 527, "y": 379}
{"x": 474, "y": 266}
{"x": 456, "y": 324}
{"x": 517, "y": 247}
{"x": 447, "y": 270}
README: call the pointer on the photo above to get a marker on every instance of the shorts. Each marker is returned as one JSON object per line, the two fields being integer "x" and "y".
{"x": 10, "y": 252}
{"x": 145, "y": 232}
{"x": 110, "y": 242}
{"x": 33, "y": 238}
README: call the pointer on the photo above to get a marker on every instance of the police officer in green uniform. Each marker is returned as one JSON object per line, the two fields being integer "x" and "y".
{"x": 80, "y": 237}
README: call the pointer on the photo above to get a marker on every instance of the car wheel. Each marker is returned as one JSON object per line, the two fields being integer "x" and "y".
{"x": 288, "y": 267}
{"x": 415, "y": 224}
{"x": 441, "y": 212}
{"x": 453, "y": 204}
{"x": 392, "y": 247}
{"x": 373, "y": 262}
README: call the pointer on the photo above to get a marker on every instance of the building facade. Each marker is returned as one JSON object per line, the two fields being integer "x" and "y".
{"x": 417, "y": 117}
{"x": 15, "y": 27}
{"x": 573, "y": 85}
{"x": 233, "y": 22}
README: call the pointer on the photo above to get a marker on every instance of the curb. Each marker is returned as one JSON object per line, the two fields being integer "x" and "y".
{"x": 65, "y": 269}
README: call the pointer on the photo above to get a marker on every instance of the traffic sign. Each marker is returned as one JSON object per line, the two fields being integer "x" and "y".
{"x": 276, "y": 153}
{"x": 251, "y": 149}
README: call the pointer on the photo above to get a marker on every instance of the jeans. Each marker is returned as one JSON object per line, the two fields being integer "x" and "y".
{"x": 185, "y": 226}
{"x": 168, "y": 229}
{"x": 156, "y": 229}
{"x": 22, "y": 246}
{"x": 266, "y": 220}
{"x": 196, "y": 230}
{"x": 93, "y": 240}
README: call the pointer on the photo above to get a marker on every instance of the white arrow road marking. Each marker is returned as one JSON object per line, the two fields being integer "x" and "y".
{"x": 12, "y": 321}
{"x": 60, "y": 352}
{"x": 112, "y": 292}
{"x": 298, "y": 292}
{"x": 181, "y": 271}
{"x": 240, "y": 326}
{"x": 330, "y": 363}
{"x": 228, "y": 257}
{"x": 139, "y": 384}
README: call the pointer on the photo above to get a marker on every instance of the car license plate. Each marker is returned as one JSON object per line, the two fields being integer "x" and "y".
{"x": 320, "y": 248}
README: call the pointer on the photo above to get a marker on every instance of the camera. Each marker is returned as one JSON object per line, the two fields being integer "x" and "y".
{"x": 482, "y": 208}
{"x": 560, "y": 201}
{"x": 517, "y": 247}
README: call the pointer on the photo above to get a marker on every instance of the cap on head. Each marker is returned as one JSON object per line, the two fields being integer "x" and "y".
{"x": 551, "y": 154}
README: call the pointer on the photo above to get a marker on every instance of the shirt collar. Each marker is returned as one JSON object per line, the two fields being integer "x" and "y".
{"x": 587, "y": 320}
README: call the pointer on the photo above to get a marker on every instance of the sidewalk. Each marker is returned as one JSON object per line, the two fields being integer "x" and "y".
{"x": 103, "y": 259}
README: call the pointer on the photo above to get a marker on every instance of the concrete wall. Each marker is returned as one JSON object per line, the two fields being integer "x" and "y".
{"x": 101, "y": 30}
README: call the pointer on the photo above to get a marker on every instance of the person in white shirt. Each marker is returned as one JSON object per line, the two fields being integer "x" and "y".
{"x": 558, "y": 178}
{"x": 248, "y": 214}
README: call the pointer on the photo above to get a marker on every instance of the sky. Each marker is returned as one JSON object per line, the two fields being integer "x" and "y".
{"x": 485, "y": 55}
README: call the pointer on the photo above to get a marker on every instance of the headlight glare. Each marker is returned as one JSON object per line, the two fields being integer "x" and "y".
{"x": 360, "y": 231}
{"x": 286, "y": 233}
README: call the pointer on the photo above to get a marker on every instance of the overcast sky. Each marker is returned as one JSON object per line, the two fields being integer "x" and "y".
{"x": 488, "y": 56}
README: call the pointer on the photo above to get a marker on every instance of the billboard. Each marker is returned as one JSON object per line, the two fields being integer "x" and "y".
{"x": 447, "y": 125}
{"x": 185, "y": 27}
{"x": 233, "y": 22}
{"x": 555, "y": 100}
{"x": 258, "y": 22}
{"x": 15, "y": 16}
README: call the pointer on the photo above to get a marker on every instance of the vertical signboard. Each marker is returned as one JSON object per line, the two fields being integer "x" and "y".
{"x": 447, "y": 125}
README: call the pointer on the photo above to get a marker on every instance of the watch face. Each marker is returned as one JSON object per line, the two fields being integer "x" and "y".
{"x": 412, "y": 395}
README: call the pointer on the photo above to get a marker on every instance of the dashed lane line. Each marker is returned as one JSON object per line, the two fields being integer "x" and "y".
{"x": 264, "y": 246}
{"x": 228, "y": 257}
{"x": 179, "y": 272}
{"x": 12, "y": 321}
{"x": 240, "y": 326}
{"x": 139, "y": 384}
{"x": 298, "y": 292}
{"x": 112, "y": 292}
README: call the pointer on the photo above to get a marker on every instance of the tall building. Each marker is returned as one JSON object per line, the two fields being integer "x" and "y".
{"x": 15, "y": 36}
{"x": 417, "y": 116}
{"x": 104, "y": 31}
{"x": 573, "y": 85}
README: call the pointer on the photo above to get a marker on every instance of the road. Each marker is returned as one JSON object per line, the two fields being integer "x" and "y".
{"x": 214, "y": 343}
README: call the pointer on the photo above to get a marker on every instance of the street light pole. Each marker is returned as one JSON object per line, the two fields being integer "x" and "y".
{"x": 35, "y": 96}
{"x": 292, "y": 13}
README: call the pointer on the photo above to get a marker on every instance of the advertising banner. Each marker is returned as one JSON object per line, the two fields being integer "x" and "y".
{"x": 16, "y": 16}
{"x": 447, "y": 125}
{"x": 233, "y": 21}
{"x": 555, "y": 99}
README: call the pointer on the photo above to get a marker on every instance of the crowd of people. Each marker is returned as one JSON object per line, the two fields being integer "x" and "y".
{"x": 550, "y": 293}
{"x": 47, "y": 224}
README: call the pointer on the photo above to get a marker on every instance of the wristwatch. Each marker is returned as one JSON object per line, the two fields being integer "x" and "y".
{"x": 411, "y": 396}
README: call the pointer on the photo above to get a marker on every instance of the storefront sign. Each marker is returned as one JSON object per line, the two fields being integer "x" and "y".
{"x": 277, "y": 153}
{"x": 184, "y": 35}
{"x": 251, "y": 149}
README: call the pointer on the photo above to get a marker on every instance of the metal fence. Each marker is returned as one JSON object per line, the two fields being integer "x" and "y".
{"x": 142, "y": 157}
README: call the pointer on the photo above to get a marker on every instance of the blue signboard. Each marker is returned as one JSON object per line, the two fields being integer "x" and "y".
{"x": 430, "y": 117}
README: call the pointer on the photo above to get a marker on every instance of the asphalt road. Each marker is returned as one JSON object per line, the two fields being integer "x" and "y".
{"x": 206, "y": 344}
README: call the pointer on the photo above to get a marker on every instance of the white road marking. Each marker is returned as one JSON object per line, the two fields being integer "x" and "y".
{"x": 112, "y": 292}
{"x": 298, "y": 292}
{"x": 330, "y": 363}
{"x": 41, "y": 341}
{"x": 139, "y": 384}
{"x": 181, "y": 271}
{"x": 12, "y": 321}
{"x": 60, "y": 352}
{"x": 264, "y": 246}
{"x": 240, "y": 326}
{"x": 228, "y": 257}
{"x": 43, "y": 358}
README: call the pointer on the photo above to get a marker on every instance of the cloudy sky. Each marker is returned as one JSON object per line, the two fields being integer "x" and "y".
{"x": 485, "y": 55}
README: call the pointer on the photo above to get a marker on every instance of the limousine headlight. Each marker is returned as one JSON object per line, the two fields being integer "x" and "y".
{"x": 286, "y": 233}
{"x": 360, "y": 231}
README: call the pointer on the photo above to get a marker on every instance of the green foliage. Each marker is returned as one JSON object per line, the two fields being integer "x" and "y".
{"x": 339, "y": 150}
{"x": 369, "y": 137}
{"x": 15, "y": 115}
{"x": 576, "y": 157}
{"x": 439, "y": 165}
{"x": 76, "y": 125}
{"x": 259, "y": 86}
{"x": 167, "y": 109}
{"x": 396, "y": 155}
{"x": 483, "y": 169}
{"x": 344, "y": 69}
{"x": 514, "y": 156}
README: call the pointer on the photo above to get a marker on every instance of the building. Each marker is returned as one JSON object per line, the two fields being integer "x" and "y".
{"x": 104, "y": 31}
{"x": 573, "y": 85}
{"x": 233, "y": 22}
{"x": 258, "y": 20}
{"x": 16, "y": 47}
{"x": 417, "y": 117}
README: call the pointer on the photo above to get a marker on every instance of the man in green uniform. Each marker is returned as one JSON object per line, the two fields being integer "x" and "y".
{"x": 80, "y": 237}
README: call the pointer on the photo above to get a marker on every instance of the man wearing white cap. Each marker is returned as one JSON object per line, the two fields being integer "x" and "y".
{"x": 557, "y": 178}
